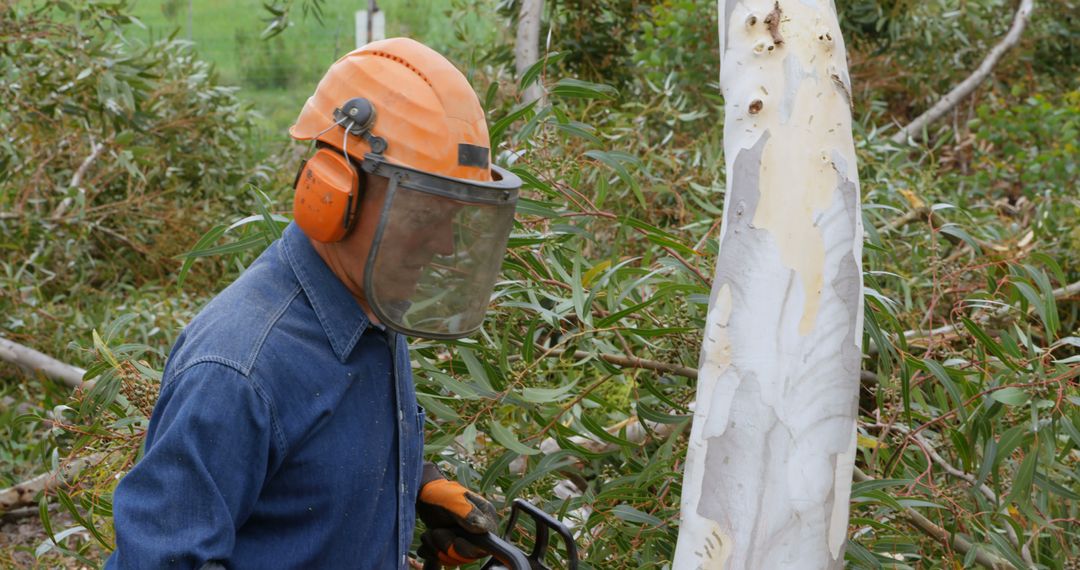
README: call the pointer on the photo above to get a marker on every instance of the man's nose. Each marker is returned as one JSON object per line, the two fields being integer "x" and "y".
{"x": 442, "y": 237}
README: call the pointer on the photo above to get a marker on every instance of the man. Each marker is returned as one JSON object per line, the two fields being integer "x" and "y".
{"x": 287, "y": 433}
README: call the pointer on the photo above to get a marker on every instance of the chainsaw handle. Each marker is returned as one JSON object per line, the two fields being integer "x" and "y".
{"x": 544, "y": 523}
{"x": 506, "y": 556}
{"x": 500, "y": 550}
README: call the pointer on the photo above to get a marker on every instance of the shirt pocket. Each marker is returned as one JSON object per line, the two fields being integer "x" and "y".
{"x": 421, "y": 419}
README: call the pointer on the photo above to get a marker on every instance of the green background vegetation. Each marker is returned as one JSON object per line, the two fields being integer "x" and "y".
{"x": 611, "y": 256}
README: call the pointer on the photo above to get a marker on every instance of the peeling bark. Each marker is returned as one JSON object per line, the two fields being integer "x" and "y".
{"x": 768, "y": 472}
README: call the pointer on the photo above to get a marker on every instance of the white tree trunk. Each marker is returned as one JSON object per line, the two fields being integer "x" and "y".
{"x": 527, "y": 44}
{"x": 769, "y": 467}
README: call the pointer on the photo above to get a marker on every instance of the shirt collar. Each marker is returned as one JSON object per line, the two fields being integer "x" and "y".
{"x": 340, "y": 315}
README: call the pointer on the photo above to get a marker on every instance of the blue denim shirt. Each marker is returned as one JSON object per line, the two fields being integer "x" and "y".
{"x": 286, "y": 434}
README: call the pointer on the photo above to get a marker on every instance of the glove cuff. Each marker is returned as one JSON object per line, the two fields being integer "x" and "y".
{"x": 430, "y": 472}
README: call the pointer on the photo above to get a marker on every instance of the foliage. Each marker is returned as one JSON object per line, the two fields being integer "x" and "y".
{"x": 108, "y": 142}
{"x": 576, "y": 394}
{"x": 907, "y": 54}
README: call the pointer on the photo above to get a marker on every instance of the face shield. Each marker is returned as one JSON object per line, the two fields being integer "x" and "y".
{"x": 437, "y": 249}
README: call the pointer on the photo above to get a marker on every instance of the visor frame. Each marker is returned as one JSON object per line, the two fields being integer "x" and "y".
{"x": 503, "y": 189}
{"x": 500, "y": 192}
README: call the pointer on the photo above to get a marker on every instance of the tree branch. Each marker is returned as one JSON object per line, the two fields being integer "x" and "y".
{"x": 631, "y": 362}
{"x": 1059, "y": 293}
{"x": 30, "y": 359}
{"x": 22, "y": 495}
{"x": 1071, "y": 290}
{"x": 1025, "y": 551}
{"x": 983, "y": 557}
{"x": 914, "y": 129}
{"x": 76, "y": 180}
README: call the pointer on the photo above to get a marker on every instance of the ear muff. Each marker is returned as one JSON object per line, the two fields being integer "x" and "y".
{"x": 327, "y": 196}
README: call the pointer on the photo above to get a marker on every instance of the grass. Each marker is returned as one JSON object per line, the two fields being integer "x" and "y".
{"x": 277, "y": 75}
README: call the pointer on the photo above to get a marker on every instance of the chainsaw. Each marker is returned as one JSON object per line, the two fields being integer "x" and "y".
{"x": 506, "y": 556}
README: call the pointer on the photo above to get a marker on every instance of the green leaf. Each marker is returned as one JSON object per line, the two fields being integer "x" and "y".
{"x": 986, "y": 342}
{"x": 533, "y": 71}
{"x": 630, "y": 514}
{"x": 103, "y": 350}
{"x": 1036, "y": 301}
{"x": 1005, "y": 549}
{"x": 958, "y": 232}
{"x": 579, "y": 130}
{"x": 534, "y": 208}
{"x": 647, "y": 413}
{"x": 571, "y": 88}
{"x": 53, "y": 543}
{"x": 271, "y": 225}
{"x": 507, "y": 439}
{"x": 500, "y": 126}
{"x": 1025, "y": 476}
{"x": 1010, "y": 396}
{"x": 68, "y": 504}
{"x": 477, "y": 370}
{"x": 941, "y": 374}
{"x": 210, "y": 237}
{"x": 617, "y": 161}
{"x": 46, "y": 518}
{"x": 577, "y": 291}
{"x": 862, "y": 487}
{"x": 529, "y": 180}
{"x": 603, "y": 434}
{"x": 495, "y": 469}
{"x": 547, "y": 395}
{"x": 434, "y": 406}
{"x": 1053, "y": 487}
{"x": 858, "y": 553}
{"x": 237, "y": 246}
{"x": 114, "y": 327}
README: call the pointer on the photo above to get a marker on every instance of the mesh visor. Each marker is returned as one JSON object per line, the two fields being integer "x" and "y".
{"x": 436, "y": 254}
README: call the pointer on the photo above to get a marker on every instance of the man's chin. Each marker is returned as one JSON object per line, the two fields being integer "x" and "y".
{"x": 398, "y": 293}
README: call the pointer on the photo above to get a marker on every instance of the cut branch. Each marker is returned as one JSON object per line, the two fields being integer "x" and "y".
{"x": 632, "y": 362}
{"x": 1058, "y": 294}
{"x": 1071, "y": 290}
{"x": 636, "y": 432}
{"x": 23, "y": 494}
{"x": 30, "y": 359}
{"x": 983, "y": 557}
{"x": 1025, "y": 551}
{"x": 914, "y": 129}
{"x": 625, "y": 361}
{"x": 76, "y": 180}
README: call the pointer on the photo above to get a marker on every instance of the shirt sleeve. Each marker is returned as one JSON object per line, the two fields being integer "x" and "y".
{"x": 208, "y": 449}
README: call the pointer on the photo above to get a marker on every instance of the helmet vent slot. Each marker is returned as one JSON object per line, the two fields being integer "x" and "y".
{"x": 393, "y": 57}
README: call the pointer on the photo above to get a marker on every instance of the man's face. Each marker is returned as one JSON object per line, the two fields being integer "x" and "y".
{"x": 421, "y": 227}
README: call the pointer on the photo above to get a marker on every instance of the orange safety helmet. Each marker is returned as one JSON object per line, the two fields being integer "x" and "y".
{"x": 399, "y": 109}
{"x": 425, "y": 107}
{"x": 426, "y": 110}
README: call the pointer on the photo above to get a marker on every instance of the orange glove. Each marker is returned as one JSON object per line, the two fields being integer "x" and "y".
{"x": 451, "y": 513}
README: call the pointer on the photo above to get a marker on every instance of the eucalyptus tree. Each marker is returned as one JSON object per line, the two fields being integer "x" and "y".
{"x": 770, "y": 458}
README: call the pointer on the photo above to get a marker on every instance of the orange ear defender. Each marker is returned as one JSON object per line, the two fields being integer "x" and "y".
{"x": 327, "y": 185}
{"x": 327, "y": 196}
